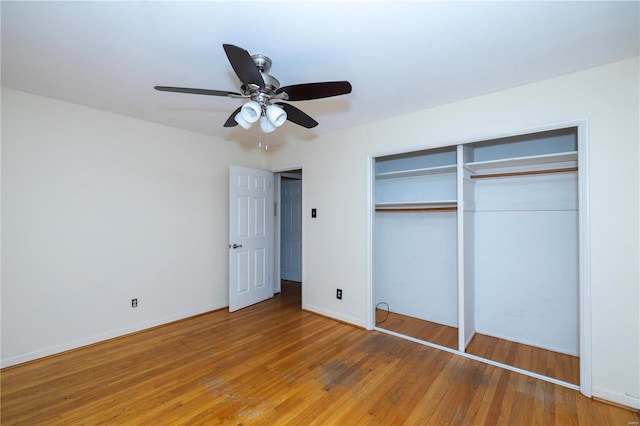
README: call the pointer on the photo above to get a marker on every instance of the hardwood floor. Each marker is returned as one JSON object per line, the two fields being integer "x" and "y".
{"x": 273, "y": 363}
{"x": 547, "y": 363}
{"x": 424, "y": 330}
{"x": 537, "y": 360}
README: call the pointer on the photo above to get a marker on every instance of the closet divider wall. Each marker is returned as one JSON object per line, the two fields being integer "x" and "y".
{"x": 466, "y": 252}
{"x": 483, "y": 237}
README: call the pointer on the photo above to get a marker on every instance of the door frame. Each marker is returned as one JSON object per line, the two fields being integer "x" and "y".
{"x": 278, "y": 172}
{"x": 584, "y": 247}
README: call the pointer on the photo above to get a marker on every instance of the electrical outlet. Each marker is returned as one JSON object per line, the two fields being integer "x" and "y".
{"x": 339, "y": 293}
{"x": 134, "y": 303}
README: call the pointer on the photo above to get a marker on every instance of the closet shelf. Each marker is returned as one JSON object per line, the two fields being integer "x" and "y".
{"x": 534, "y": 160}
{"x": 446, "y": 205}
{"x": 417, "y": 172}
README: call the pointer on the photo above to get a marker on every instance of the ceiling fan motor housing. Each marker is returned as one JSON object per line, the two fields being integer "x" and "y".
{"x": 262, "y": 62}
{"x": 271, "y": 84}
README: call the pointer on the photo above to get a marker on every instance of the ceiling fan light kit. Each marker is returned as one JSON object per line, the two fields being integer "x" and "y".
{"x": 266, "y": 126}
{"x": 276, "y": 115}
{"x": 250, "y": 112}
{"x": 261, "y": 88}
{"x": 241, "y": 121}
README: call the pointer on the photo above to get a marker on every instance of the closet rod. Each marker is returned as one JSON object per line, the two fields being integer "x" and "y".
{"x": 417, "y": 210}
{"x": 531, "y": 172}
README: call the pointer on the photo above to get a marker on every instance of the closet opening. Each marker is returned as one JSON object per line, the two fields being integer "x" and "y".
{"x": 416, "y": 290}
{"x": 479, "y": 249}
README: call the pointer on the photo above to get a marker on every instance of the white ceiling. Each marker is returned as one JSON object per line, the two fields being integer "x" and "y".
{"x": 400, "y": 57}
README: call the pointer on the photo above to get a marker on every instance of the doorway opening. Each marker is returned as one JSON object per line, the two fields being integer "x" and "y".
{"x": 288, "y": 225}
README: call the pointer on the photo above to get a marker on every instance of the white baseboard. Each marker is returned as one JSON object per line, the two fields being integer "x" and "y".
{"x": 616, "y": 397}
{"x": 85, "y": 341}
{"x": 335, "y": 315}
{"x": 469, "y": 339}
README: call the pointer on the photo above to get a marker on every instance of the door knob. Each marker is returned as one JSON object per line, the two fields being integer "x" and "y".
{"x": 235, "y": 246}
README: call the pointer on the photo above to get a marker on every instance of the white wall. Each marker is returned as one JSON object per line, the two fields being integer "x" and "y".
{"x": 526, "y": 260}
{"x": 98, "y": 209}
{"x": 416, "y": 265}
{"x": 336, "y": 173}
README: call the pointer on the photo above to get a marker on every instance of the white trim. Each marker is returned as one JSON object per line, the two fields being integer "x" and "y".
{"x": 370, "y": 317}
{"x": 584, "y": 257}
{"x": 278, "y": 172}
{"x": 277, "y": 180}
{"x": 486, "y": 137}
{"x": 460, "y": 246}
{"x": 302, "y": 240}
{"x": 484, "y": 360}
{"x": 467, "y": 341}
{"x": 101, "y": 337}
{"x": 619, "y": 398}
{"x": 331, "y": 314}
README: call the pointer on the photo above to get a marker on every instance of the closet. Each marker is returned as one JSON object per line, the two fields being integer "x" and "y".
{"x": 415, "y": 241}
{"x": 476, "y": 249}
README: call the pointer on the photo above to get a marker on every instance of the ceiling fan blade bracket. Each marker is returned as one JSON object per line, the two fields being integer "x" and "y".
{"x": 282, "y": 96}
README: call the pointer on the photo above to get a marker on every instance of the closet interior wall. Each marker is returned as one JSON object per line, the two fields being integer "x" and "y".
{"x": 525, "y": 192}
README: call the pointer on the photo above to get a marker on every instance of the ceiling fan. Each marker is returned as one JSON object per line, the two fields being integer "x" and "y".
{"x": 262, "y": 89}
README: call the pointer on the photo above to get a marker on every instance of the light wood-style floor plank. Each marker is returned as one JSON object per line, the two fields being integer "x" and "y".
{"x": 273, "y": 363}
{"x": 419, "y": 329}
{"x": 537, "y": 360}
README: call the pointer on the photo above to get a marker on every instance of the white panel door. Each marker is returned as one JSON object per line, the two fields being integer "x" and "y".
{"x": 291, "y": 229}
{"x": 250, "y": 236}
